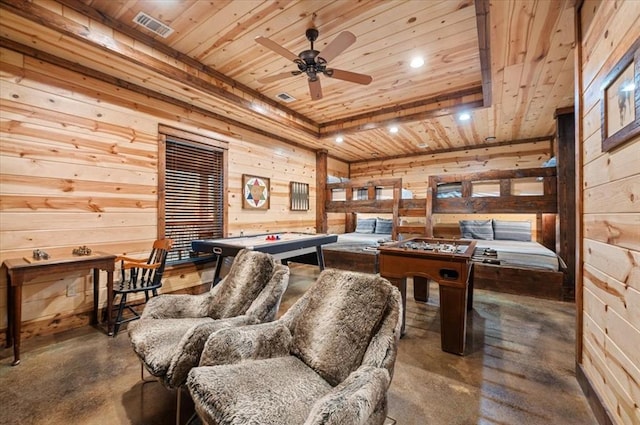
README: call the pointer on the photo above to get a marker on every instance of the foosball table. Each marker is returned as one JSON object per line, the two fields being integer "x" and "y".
{"x": 446, "y": 261}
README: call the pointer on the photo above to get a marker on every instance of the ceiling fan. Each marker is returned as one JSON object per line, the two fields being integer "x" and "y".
{"x": 313, "y": 63}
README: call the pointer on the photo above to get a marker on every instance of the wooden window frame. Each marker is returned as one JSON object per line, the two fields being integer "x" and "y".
{"x": 166, "y": 135}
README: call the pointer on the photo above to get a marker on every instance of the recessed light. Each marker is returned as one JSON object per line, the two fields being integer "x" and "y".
{"x": 393, "y": 129}
{"x": 339, "y": 139}
{"x": 416, "y": 62}
{"x": 423, "y": 145}
{"x": 258, "y": 108}
{"x": 464, "y": 116}
{"x": 490, "y": 138}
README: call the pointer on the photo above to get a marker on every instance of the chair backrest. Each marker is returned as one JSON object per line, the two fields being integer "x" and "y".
{"x": 149, "y": 274}
{"x": 250, "y": 272}
{"x": 337, "y": 320}
{"x": 266, "y": 305}
{"x": 158, "y": 255}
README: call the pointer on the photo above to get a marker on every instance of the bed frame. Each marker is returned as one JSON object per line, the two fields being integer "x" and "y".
{"x": 523, "y": 281}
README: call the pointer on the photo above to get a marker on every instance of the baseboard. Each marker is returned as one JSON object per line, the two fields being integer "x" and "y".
{"x": 597, "y": 407}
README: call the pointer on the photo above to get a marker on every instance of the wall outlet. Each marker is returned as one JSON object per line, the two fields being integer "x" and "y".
{"x": 72, "y": 290}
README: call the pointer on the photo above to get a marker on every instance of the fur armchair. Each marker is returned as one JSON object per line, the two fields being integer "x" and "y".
{"x": 173, "y": 329}
{"x": 328, "y": 360}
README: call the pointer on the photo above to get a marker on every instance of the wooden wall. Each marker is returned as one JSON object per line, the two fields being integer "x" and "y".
{"x": 609, "y": 292}
{"x": 78, "y": 166}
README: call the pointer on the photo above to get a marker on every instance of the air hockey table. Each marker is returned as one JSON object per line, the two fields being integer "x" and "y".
{"x": 283, "y": 246}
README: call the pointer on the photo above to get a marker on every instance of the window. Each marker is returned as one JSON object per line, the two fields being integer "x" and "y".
{"x": 194, "y": 192}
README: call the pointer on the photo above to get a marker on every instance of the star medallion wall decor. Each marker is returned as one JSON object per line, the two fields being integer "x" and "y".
{"x": 256, "y": 192}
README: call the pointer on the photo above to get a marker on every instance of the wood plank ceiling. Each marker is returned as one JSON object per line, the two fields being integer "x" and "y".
{"x": 508, "y": 63}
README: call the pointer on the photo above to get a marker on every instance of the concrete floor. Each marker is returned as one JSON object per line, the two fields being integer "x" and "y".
{"x": 519, "y": 370}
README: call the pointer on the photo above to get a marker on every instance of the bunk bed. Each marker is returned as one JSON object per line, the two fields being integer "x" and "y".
{"x": 523, "y": 191}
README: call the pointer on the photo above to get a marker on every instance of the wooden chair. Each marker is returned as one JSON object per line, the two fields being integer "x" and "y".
{"x": 139, "y": 275}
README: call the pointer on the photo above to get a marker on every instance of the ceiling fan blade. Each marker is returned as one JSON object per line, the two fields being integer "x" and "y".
{"x": 337, "y": 46}
{"x": 353, "y": 77}
{"x": 315, "y": 89}
{"x": 270, "y": 44}
{"x": 276, "y": 77}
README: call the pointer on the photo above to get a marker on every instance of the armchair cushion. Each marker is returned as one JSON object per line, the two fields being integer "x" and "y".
{"x": 189, "y": 349}
{"x": 175, "y": 306}
{"x": 150, "y": 337}
{"x": 341, "y": 316}
{"x": 249, "y": 273}
{"x": 271, "y": 391}
{"x": 260, "y": 341}
{"x": 354, "y": 401}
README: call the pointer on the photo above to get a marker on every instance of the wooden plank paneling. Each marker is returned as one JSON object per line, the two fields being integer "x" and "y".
{"x": 609, "y": 320}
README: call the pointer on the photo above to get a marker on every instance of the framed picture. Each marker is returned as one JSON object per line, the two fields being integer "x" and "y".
{"x": 621, "y": 100}
{"x": 299, "y": 194}
{"x": 256, "y": 192}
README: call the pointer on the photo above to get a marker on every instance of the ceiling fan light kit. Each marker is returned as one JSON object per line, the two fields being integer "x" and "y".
{"x": 312, "y": 62}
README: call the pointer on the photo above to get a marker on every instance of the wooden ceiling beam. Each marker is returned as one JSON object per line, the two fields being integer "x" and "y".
{"x": 433, "y": 107}
{"x": 461, "y": 149}
{"x": 482, "y": 20}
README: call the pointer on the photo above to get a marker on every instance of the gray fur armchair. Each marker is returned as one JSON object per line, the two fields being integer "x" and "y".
{"x": 328, "y": 360}
{"x": 173, "y": 329}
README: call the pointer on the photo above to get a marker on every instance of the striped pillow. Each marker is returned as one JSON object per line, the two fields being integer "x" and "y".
{"x": 365, "y": 225}
{"x": 383, "y": 226}
{"x": 476, "y": 229}
{"x": 512, "y": 230}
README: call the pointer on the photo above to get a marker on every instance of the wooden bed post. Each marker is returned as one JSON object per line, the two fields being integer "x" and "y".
{"x": 429, "y": 207}
{"x": 321, "y": 191}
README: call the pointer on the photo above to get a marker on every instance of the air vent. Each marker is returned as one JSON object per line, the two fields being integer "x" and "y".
{"x": 285, "y": 97}
{"x": 152, "y": 24}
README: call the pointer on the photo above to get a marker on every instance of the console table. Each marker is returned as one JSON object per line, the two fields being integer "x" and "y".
{"x": 20, "y": 270}
{"x": 445, "y": 261}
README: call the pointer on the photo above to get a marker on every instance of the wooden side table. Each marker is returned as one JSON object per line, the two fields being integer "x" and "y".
{"x": 448, "y": 262}
{"x": 19, "y": 271}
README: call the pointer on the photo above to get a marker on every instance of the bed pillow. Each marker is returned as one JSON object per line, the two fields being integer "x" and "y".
{"x": 512, "y": 230}
{"x": 383, "y": 226}
{"x": 365, "y": 225}
{"x": 476, "y": 229}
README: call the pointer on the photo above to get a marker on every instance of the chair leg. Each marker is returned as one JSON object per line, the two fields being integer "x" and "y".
{"x": 118, "y": 321}
{"x": 178, "y": 406}
{"x": 144, "y": 381}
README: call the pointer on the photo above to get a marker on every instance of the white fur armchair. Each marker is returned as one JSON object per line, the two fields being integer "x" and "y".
{"x": 173, "y": 329}
{"x": 328, "y": 360}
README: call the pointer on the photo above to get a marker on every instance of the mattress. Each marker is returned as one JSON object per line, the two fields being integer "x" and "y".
{"x": 363, "y": 238}
{"x": 518, "y": 254}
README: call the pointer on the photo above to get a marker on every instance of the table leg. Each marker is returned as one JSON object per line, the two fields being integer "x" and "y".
{"x": 216, "y": 273}
{"x": 470, "y": 290}
{"x": 453, "y": 318}
{"x": 96, "y": 289}
{"x": 109, "y": 300}
{"x": 420, "y": 289}
{"x": 17, "y": 323}
{"x": 320, "y": 257}
{"x": 401, "y": 284}
{"x": 10, "y": 319}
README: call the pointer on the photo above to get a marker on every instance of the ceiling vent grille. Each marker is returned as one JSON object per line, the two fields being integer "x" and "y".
{"x": 152, "y": 24}
{"x": 285, "y": 97}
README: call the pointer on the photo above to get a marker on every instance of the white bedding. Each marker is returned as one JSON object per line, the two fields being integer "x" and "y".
{"x": 519, "y": 254}
{"x": 363, "y": 238}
